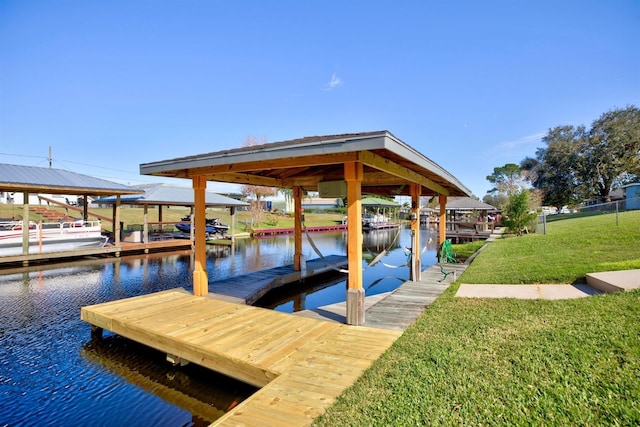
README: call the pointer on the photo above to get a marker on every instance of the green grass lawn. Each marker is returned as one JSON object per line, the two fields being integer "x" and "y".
{"x": 570, "y": 249}
{"x": 516, "y": 362}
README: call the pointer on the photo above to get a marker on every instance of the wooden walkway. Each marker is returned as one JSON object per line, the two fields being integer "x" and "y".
{"x": 398, "y": 309}
{"x": 248, "y": 288}
{"x": 301, "y": 364}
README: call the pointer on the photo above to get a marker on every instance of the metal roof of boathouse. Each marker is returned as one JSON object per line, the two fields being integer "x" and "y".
{"x": 390, "y": 165}
{"x": 56, "y": 181}
{"x": 468, "y": 203}
{"x": 171, "y": 195}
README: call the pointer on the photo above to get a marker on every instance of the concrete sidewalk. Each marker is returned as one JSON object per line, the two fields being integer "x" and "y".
{"x": 604, "y": 282}
{"x": 526, "y": 291}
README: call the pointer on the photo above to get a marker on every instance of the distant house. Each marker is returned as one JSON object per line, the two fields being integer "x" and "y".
{"x": 632, "y": 195}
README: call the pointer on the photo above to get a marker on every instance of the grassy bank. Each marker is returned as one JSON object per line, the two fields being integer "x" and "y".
{"x": 570, "y": 249}
{"x": 516, "y": 362}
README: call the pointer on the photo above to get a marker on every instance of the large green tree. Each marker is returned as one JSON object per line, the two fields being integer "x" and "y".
{"x": 611, "y": 152}
{"x": 555, "y": 170}
{"x": 579, "y": 164}
{"x": 506, "y": 179}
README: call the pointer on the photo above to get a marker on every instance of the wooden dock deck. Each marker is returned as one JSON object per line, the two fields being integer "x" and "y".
{"x": 398, "y": 309}
{"x": 301, "y": 361}
{"x": 248, "y": 288}
{"x": 301, "y": 364}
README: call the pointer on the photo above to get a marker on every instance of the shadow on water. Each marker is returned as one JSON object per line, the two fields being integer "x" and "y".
{"x": 205, "y": 394}
{"x": 51, "y": 373}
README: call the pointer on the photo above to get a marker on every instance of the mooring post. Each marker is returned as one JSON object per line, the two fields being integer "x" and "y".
{"x": 96, "y": 333}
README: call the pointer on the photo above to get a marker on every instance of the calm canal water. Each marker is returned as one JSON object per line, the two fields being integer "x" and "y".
{"x": 51, "y": 373}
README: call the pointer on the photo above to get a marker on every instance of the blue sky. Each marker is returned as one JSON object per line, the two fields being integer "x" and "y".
{"x": 472, "y": 85}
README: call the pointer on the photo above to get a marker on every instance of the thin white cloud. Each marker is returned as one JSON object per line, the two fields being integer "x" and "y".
{"x": 333, "y": 83}
{"x": 523, "y": 141}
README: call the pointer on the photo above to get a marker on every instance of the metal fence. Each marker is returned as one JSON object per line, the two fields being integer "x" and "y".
{"x": 630, "y": 207}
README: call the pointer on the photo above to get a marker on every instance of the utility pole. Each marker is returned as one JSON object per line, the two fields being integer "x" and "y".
{"x": 50, "y": 159}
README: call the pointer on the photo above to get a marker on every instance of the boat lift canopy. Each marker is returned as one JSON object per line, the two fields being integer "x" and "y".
{"x": 346, "y": 165}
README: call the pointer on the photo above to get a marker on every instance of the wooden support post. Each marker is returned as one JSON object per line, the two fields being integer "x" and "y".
{"x": 353, "y": 173}
{"x": 85, "y": 207}
{"x": 145, "y": 224}
{"x": 416, "y": 268}
{"x": 96, "y": 333}
{"x": 442, "y": 225}
{"x": 25, "y": 223}
{"x": 232, "y": 213}
{"x": 297, "y": 224}
{"x": 200, "y": 279}
{"x": 116, "y": 223}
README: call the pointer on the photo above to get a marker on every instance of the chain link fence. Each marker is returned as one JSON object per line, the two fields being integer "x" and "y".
{"x": 620, "y": 210}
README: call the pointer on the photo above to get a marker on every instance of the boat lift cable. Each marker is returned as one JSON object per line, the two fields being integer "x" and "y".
{"x": 384, "y": 252}
{"x": 317, "y": 251}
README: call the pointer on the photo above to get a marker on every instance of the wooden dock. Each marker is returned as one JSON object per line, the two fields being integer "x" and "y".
{"x": 290, "y": 230}
{"x": 125, "y": 248}
{"x": 248, "y": 288}
{"x": 301, "y": 361}
{"x": 301, "y": 364}
{"x": 398, "y": 309}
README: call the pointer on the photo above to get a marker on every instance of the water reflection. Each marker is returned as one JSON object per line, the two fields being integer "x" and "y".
{"x": 51, "y": 373}
{"x": 189, "y": 385}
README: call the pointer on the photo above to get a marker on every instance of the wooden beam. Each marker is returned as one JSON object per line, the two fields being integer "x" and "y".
{"x": 353, "y": 172}
{"x": 269, "y": 164}
{"x": 237, "y": 178}
{"x": 378, "y": 162}
{"x": 200, "y": 279}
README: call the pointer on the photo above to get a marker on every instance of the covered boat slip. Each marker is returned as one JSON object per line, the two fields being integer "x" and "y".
{"x": 347, "y": 165}
{"x": 302, "y": 364}
{"x": 34, "y": 180}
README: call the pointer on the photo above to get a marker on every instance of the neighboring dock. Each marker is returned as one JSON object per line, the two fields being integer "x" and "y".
{"x": 302, "y": 364}
{"x": 125, "y": 248}
{"x": 290, "y": 230}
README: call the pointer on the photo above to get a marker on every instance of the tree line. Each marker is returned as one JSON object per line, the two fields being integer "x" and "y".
{"x": 576, "y": 163}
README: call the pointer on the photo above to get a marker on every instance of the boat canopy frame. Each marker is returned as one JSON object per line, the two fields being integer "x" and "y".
{"x": 346, "y": 165}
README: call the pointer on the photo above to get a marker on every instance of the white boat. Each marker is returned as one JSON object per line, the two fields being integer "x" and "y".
{"x": 51, "y": 236}
{"x": 377, "y": 221}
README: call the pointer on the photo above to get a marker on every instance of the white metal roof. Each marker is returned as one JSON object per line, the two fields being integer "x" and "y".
{"x": 56, "y": 181}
